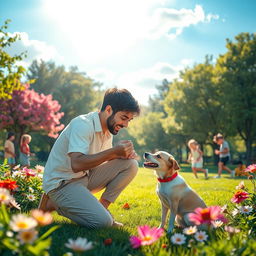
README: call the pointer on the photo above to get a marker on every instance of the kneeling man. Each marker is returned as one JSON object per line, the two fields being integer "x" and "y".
{"x": 83, "y": 161}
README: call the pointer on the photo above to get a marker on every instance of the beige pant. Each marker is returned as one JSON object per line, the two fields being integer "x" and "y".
{"x": 74, "y": 198}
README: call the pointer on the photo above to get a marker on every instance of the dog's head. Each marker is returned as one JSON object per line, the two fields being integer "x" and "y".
{"x": 161, "y": 161}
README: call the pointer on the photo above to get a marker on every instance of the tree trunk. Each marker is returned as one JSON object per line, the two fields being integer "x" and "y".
{"x": 248, "y": 144}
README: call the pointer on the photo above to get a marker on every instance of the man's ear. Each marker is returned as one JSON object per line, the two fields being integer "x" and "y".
{"x": 173, "y": 163}
{"x": 109, "y": 110}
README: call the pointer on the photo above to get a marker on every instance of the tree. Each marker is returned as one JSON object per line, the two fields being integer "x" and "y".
{"x": 10, "y": 72}
{"x": 237, "y": 78}
{"x": 29, "y": 111}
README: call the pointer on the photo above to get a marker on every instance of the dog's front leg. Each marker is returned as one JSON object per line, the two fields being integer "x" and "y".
{"x": 164, "y": 214}
{"x": 174, "y": 208}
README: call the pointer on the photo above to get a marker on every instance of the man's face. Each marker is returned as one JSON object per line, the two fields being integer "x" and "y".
{"x": 119, "y": 120}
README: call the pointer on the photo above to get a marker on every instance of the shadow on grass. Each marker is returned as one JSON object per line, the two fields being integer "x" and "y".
{"x": 120, "y": 244}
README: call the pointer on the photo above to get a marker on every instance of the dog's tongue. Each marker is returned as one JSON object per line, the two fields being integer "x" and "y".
{"x": 150, "y": 164}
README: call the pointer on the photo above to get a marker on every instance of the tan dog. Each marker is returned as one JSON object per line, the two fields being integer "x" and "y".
{"x": 172, "y": 190}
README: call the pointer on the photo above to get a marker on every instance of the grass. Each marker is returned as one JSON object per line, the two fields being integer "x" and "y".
{"x": 144, "y": 209}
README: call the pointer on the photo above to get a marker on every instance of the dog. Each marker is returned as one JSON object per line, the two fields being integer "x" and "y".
{"x": 172, "y": 190}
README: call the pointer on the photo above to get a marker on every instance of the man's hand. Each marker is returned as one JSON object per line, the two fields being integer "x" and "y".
{"x": 217, "y": 152}
{"x": 124, "y": 149}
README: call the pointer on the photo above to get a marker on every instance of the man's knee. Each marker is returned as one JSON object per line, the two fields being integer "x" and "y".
{"x": 100, "y": 221}
{"x": 133, "y": 167}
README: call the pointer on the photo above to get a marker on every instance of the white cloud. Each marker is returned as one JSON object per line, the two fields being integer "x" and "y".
{"x": 171, "y": 22}
{"x": 35, "y": 49}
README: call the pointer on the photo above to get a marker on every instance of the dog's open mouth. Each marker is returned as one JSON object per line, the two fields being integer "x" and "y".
{"x": 150, "y": 165}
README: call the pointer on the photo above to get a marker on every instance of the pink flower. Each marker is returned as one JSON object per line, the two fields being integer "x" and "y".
{"x": 251, "y": 168}
{"x": 239, "y": 197}
{"x": 146, "y": 236}
{"x": 28, "y": 172}
{"x": 207, "y": 215}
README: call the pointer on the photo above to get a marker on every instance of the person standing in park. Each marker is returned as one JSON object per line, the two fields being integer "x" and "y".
{"x": 9, "y": 149}
{"x": 83, "y": 161}
{"x": 224, "y": 155}
{"x": 25, "y": 150}
{"x": 196, "y": 158}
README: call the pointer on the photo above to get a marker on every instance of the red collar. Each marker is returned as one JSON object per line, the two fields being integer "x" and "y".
{"x": 169, "y": 178}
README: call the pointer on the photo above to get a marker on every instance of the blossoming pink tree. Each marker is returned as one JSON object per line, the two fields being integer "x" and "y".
{"x": 29, "y": 111}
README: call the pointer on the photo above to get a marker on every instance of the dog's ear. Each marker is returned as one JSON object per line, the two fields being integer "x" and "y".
{"x": 173, "y": 163}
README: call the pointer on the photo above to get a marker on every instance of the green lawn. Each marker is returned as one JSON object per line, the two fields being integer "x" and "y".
{"x": 144, "y": 209}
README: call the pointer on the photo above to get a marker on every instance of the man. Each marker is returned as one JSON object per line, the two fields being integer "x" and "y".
{"x": 83, "y": 161}
{"x": 9, "y": 150}
{"x": 224, "y": 155}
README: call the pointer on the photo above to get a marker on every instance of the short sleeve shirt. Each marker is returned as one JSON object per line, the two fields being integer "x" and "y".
{"x": 9, "y": 144}
{"x": 84, "y": 135}
{"x": 222, "y": 146}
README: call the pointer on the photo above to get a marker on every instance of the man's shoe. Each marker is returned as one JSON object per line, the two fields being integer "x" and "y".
{"x": 46, "y": 204}
{"x": 117, "y": 224}
{"x": 206, "y": 174}
{"x": 217, "y": 177}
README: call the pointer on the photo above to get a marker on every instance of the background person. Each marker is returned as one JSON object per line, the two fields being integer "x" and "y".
{"x": 9, "y": 149}
{"x": 196, "y": 158}
{"x": 239, "y": 170}
{"x": 224, "y": 155}
{"x": 25, "y": 150}
{"x": 83, "y": 161}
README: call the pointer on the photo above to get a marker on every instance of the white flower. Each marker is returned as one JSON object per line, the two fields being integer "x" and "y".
{"x": 79, "y": 245}
{"x": 40, "y": 175}
{"x": 178, "y": 238}
{"x": 189, "y": 231}
{"x": 21, "y": 222}
{"x": 16, "y": 167}
{"x": 217, "y": 223}
{"x": 245, "y": 209}
{"x": 16, "y": 174}
{"x": 232, "y": 230}
{"x": 31, "y": 197}
{"x": 27, "y": 236}
{"x": 31, "y": 190}
{"x": 240, "y": 185}
{"x": 43, "y": 218}
{"x": 5, "y": 196}
{"x": 201, "y": 236}
{"x": 235, "y": 212}
{"x": 9, "y": 233}
{"x": 39, "y": 168}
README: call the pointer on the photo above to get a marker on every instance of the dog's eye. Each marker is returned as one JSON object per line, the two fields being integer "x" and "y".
{"x": 158, "y": 156}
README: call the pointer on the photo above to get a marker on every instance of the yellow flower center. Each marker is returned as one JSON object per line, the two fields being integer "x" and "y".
{"x": 22, "y": 225}
{"x": 147, "y": 238}
{"x": 178, "y": 239}
{"x": 3, "y": 197}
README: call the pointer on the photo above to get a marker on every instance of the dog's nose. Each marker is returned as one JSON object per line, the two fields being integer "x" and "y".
{"x": 146, "y": 154}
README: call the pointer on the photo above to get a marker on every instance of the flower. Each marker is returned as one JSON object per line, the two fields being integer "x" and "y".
{"x": 31, "y": 197}
{"x": 8, "y": 184}
{"x": 217, "y": 223}
{"x": 245, "y": 209}
{"x": 178, "y": 238}
{"x": 31, "y": 190}
{"x": 5, "y": 196}
{"x": 108, "y": 241}
{"x": 39, "y": 168}
{"x": 232, "y": 230}
{"x": 16, "y": 167}
{"x": 235, "y": 212}
{"x": 21, "y": 222}
{"x": 27, "y": 236}
{"x": 239, "y": 197}
{"x": 79, "y": 245}
{"x": 43, "y": 218}
{"x": 251, "y": 168}
{"x": 206, "y": 215}
{"x": 28, "y": 172}
{"x": 201, "y": 236}
{"x": 240, "y": 186}
{"x": 189, "y": 231}
{"x": 224, "y": 208}
{"x": 146, "y": 236}
{"x": 126, "y": 206}
{"x": 16, "y": 174}
{"x": 14, "y": 204}
{"x": 164, "y": 246}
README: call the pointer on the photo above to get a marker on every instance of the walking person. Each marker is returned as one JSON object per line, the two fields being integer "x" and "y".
{"x": 224, "y": 155}
{"x": 83, "y": 161}
{"x": 25, "y": 150}
{"x": 9, "y": 149}
{"x": 196, "y": 158}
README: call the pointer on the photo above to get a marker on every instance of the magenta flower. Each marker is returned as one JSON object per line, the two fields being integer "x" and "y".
{"x": 146, "y": 236}
{"x": 251, "y": 168}
{"x": 207, "y": 215}
{"x": 239, "y": 197}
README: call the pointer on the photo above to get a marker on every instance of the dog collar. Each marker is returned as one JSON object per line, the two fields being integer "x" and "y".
{"x": 169, "y": 178}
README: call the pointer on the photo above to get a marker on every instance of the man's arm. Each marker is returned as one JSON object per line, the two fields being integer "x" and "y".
{"x": 81, "y": 162}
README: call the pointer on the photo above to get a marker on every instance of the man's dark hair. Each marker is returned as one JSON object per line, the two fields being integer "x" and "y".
{"x": 120, "y": 100}
{"x": 10, "y": 134}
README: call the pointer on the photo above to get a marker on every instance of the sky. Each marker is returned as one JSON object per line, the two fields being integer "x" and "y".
{"x": 132, "y": 44}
